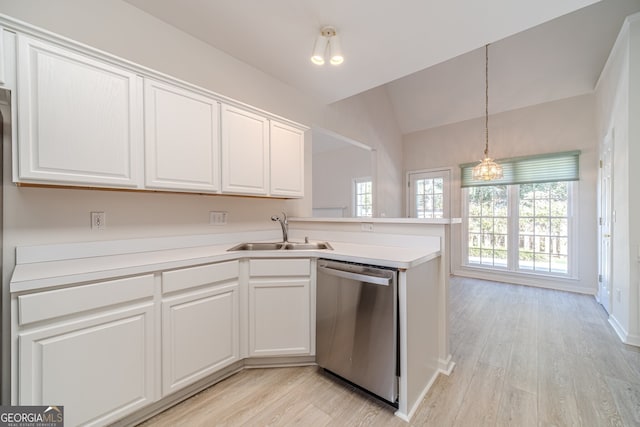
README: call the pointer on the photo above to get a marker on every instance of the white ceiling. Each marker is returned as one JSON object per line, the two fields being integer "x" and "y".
{"x": 427, "y": 53}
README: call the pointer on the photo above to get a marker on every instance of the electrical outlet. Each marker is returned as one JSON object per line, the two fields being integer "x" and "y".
{"x": 217, "y": 218}
{"x": 98, "y": 221}
{"x": 366, "y": 226}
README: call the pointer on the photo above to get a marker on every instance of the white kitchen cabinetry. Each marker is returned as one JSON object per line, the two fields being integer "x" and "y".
{"x": 286, "y": 160}
{"x": 182, "y": 139}
{"x": 89, "y": 348}
{"x": 79, "y": 118}
{"x": 245, "y": 152}
{"x": 280, "y": 313}
{"x": 200, "y": 323}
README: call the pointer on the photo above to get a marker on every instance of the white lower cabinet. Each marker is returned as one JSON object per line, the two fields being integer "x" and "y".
{"x": 280, "y": 307}
{"x": 92, "y": 348}
{"x": 200, "y": 323}
{"x": 95, "y": 359}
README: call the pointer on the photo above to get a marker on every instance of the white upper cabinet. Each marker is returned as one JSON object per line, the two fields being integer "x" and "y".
{"x": 79, "y": 118}
{"x": 182, "y": 139}
{"x": 245, "y": 152}
{"x": 88, "y": 119}
{"x": 287, "y": 160}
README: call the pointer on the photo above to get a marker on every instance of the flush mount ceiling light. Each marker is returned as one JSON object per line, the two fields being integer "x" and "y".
{"x": 487, "y": 169}
{"x": 327, "y": 42}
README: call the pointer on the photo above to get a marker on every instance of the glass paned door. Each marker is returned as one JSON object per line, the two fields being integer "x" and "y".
{"x": 429, "y": 194}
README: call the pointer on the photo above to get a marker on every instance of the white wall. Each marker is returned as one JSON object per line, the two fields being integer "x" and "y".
{"x": 334, "y": 172}
{"x": 552, "y": 127}
{"x": 618, "y": 106}
{"x": 634, "y": 179}
{"x": 370, "y": 119}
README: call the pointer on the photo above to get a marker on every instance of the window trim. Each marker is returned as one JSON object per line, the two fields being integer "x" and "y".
{"x": 512, "y": 268}
{"x": 354, "y": 195}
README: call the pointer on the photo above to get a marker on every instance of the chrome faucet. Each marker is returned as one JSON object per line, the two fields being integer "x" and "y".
{"x": 284, "y": 224}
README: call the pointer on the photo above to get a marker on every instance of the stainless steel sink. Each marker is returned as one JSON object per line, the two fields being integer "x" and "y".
{"x": 308, "y": 246}
{"x": 262, "y": 246}
{"x": 276, "y": 246}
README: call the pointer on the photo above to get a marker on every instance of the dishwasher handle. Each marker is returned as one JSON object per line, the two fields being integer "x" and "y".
{"x": 366, "y": 278}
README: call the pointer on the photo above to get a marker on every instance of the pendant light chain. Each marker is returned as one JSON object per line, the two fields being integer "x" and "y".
{"x": 486, "y": 100}
{"x": 487, "y": 169}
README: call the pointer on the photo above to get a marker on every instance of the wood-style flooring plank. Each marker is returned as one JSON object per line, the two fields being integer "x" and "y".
{"x": 627, "y": 397}
{"x": 517, "y": 408}
{"x": 524, "y": 357}
{"x": 480, "y": 406}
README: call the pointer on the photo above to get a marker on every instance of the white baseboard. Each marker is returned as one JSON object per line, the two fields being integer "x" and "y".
{"x": 625, "y": 337}
{"x": 545, "y": 282}
{"x": 414, "y": 408}
{"x": 446, "y": 365}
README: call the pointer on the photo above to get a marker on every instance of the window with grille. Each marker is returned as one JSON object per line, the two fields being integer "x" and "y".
{"x": 428, "y": 194}
{"x": 488, "y": 226}
{"x": 363, "y": 197}
{"x": 518, "y": 224}
{"x": 529, "y": 223}
{"x": 543, "y": 227}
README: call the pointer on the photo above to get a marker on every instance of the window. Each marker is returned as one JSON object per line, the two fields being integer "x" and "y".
{"x": 488, "y": 226}
{"x": 363, "y": 197}
{"x": 521, "y": 226}
{"x": 543, "y": 231}
{"x": 428, "y": 194}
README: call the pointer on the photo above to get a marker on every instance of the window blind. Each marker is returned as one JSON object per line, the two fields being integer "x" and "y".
{"x": 530, "y": 169}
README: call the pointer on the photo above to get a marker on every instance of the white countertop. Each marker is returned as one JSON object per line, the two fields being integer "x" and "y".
{"x": 39, "y": 275}
{"x": 388, "y": 220}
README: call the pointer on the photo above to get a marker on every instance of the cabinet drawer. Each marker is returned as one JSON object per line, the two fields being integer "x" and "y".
{"x": 280, "y": 267}
{"x": 186, "y": 278}
{"x": 50, "y": 304}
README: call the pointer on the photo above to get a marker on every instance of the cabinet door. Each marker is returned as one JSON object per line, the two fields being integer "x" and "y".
{"x": 181, "y": 139}
{"x": 80, "y": 119}
{"x": 100, "y": 368}
{"x": 287, "y": 160}
{"x": 245, "y": 152}
{"x": 279, "y": 316}
{"x": 201, "y": 334}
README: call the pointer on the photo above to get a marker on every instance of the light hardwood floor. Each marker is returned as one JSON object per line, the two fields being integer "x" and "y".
{"x": 524, "y": 357}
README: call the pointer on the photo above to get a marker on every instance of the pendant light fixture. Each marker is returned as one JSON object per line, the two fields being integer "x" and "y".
{"x": 487, "y": 169}
{"x": 327, "y": 41}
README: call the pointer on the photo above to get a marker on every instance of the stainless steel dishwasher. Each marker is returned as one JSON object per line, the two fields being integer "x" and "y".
{"x": 357, "y": 325}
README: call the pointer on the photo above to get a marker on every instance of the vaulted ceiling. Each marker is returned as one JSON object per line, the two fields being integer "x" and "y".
{"x": 428, "y": 54}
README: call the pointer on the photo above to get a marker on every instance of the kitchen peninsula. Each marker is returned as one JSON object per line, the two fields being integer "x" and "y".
{"x": 153, "y": 321}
